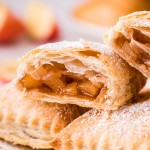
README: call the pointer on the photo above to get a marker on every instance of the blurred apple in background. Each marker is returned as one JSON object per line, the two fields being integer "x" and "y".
{"x": 40, "y": 22}
{"x": 7, "y": 71}
{"x": 11, "y": 27}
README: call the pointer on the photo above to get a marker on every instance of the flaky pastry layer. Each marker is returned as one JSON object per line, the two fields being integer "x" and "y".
{"x": 83, "y": 73}
{"x": 130, "y": 38}
{"x": 29, "y": 122}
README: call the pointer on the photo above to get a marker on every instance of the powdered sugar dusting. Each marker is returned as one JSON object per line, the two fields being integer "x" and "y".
{"x": 133, "y": 119}
{"x": 124, "y": 128}
{"x": 128, "y": 119}
{"x": 60, "y": 46}
{"x": 136, "y": 19}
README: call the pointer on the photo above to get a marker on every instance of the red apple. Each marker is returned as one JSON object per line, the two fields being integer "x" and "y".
{"x": 10, "y": 26}
{"x": 40, "y": 22}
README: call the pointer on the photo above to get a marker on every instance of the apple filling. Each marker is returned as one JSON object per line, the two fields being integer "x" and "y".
{"x": 140, "y": 45}
{"x": 56, "y": 79}
{"x": 141, "y": 37}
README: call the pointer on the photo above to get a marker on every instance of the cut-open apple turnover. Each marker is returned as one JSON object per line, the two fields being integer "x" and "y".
{"x": 32, "y": 123}
{"x": 83, "y": 73}
{"x": 130, "y": 38}
{"x": 125, "y": 129}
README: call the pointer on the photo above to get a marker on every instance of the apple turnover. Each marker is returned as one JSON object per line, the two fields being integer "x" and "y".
{"x": 130, "y": 38}
{"x": 125, "y": 129}
{"x": 83, "y": 73}
{"x": 32, "y": 123}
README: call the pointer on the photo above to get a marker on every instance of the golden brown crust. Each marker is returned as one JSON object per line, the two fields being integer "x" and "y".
{"x": 93, "y": 62}
{"x": 125, "y": 129}
{"x": 130, "y": 38}
{"x": 29, "y": 122}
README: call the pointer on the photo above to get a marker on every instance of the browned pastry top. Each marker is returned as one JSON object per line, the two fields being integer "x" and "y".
{"x": 126, "y": 128}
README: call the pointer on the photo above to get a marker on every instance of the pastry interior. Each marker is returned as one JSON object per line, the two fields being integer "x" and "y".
{"x": 55, "y": 78}
{"x": 138, "y": 40}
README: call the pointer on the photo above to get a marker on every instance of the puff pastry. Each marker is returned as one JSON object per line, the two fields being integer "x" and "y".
{"x": 29, "y": 122}
{"x": 83, "y": 73}
{"x": 125, "y": 129}
{"x": 130, "y": 38}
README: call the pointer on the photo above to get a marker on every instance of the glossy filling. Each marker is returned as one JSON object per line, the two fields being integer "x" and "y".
{"x": 55, "y": 79}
